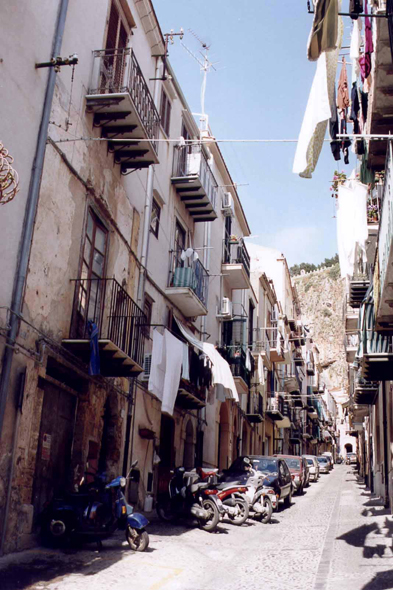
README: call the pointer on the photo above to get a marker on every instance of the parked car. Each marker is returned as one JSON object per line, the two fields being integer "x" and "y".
{"x": 277, "y": 474}
{"x": 330, "y": 457}
{"x": 324, "y": 464}
{"x": 351, "y": 459}
{"x": 298, "y": 471}
{"x": 313, "y": 466}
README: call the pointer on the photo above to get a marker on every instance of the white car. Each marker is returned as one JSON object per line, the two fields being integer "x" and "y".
{"x": 330, "y": 457}
{"x": 313, "y": 466}
{"x": 324, "y": 464}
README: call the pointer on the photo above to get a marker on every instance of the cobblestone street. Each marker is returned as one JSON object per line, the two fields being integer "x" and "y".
{"x": 335, "y": 537}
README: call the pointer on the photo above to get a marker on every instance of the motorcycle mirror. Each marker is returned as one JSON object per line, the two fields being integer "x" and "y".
{"x": 134, "y": 464}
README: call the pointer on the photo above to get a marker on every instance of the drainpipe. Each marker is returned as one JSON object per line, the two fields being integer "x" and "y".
{"x": 30, "y": 213}
{"x": 148, "y": 207}
{"x": 385, "y": 444}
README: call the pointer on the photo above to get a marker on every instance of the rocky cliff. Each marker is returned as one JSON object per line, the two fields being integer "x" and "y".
{"x": 321, "y": 294}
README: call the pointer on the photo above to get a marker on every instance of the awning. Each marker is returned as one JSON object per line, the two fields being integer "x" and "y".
{"x": 221, "y": 371}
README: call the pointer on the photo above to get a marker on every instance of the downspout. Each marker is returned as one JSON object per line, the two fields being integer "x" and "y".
{"x": 385, "y": 445}
{"x": 148, "y": 207}
{"x": 30, "y": 214}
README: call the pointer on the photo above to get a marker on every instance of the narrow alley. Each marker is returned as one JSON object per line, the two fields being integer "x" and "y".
{"x": 334, "y": 537}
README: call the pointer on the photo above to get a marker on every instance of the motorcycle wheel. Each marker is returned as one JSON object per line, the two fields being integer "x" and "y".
{"x": 288, "y": 500}
{"x": 164, "y": 512}
{"x": 267, "y": 503}
{"x": 211, "y": 523}
{"x": 243, "y": 514}
{"x": 138, "y": 541}
{"x": 56, "y": 532}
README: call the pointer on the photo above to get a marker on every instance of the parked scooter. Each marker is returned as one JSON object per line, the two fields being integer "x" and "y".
{"x": 261, "y": 499}
{"x": 231, "y": 494}
{"x": 94, "y": 515}
{"x": 189, "y": 497}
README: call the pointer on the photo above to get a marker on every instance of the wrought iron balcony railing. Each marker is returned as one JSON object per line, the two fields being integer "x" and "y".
{"x": 190, "y": 161}
{"x": 189, "y": 273}
{"x": 236, "y": 356}
{"x": 116, "y": 71}
{"x": 235, "y": 252}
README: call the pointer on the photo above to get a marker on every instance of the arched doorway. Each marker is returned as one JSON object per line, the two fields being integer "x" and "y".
{"x": 189, "y": 447}
{"x": 348, "y": 448}
{"x": 223, "y": 437}
{"x": 244, "y": 440}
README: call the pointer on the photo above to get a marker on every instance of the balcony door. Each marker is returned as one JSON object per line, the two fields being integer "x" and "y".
{"x": 180, "y": 245}
{"x": 227, "y": 238}
{"x": 91, "y": 286}
{"x": 112, "y": 70}
{"x": 184, "y": 152}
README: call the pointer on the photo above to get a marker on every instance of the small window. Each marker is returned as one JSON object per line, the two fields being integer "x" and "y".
{"x": 148, "y": 309}
{"x": 155, "y": 218}
{"x": 165, "y": 113}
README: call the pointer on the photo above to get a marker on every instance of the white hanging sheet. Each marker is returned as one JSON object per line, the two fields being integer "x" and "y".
{"x": 173, "y": 365}
{"x": 157, "y": 371}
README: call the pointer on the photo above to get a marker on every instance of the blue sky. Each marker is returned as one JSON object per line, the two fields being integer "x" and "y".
{"x": 260, "y": 90}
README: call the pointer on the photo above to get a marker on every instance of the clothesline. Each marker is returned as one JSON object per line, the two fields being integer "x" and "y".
{"x": 206, "y": 141}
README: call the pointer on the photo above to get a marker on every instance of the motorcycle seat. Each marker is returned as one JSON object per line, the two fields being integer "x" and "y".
{"x": 198, "y": 486}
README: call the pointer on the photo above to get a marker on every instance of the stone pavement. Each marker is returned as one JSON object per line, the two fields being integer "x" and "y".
{"x": 335, "y": 537}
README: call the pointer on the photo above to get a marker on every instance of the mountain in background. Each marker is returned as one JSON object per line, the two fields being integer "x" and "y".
{"x": 296, "y": 269}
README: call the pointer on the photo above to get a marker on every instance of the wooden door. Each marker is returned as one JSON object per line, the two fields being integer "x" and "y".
{"x": 52, "y": 472}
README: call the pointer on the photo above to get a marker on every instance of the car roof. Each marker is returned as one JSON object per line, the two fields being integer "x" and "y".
{"x": 262, "y": 457}
{"x": 289, "y": 456}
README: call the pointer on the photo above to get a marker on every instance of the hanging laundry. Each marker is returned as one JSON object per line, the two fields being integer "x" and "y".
{"x": 355, "y": 106}
{"x": 323, "y": 35}
{"x": 355, "y": 8}
{"x": 342, "y": 88}
{"x": 158, "y": 361}
{"x": 352, "y": 230}
{"x": 94, "y": 364}
{"x": 365, "y": 60}
{"x": 318, "y": 111}
{"x": 185, "y": 363}
{"x": 335, "y": 143}
{"x": 354, "y": 51}
{"x": 173, "y": 364}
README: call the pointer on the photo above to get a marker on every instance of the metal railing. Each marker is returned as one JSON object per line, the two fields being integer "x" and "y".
{"x": 117, "y": 316}
{"x": 116, "y": 71}
{"x": 189, "y": 273}
{"x": 235, "y": 252}
{"x": 261, "y": 344}
{"x": 236, "y": 357}
{"x": 275, "y": 404}
{"x": 190, "y": 160}
{"x": 351, "y": 340}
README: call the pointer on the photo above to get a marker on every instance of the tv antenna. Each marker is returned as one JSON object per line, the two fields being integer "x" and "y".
{"x": 168, "y": 39}
{"x": 206, "y": 66}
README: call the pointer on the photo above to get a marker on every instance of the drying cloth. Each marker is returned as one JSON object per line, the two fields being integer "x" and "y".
{"x": 355, "y": 8}
{"x": 354, "y": 51}
{"x": 185, "y": 373}
{"x": 323, "y": 36}
{"x": 355, "y": 104}
{"x": 318, "y": 112}
{"x": 365, "y": 60}
{"x": 221, "y": 371}
{"x": 351, "y": 223}
{"x": 342, "y": 88}
{"x": 94, "y": 364}
{"x": 335, "y": 144}
{"x": 173, "y": 362}
{"x": 157, "y": 371}
{"x": 248, "y": 360}
{"x": 261, "y": 373}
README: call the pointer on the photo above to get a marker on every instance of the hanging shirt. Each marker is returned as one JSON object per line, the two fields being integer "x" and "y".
{"x": 342, "y": 88}
{"x": 323, "y": 36}
{"x": 318, "y": 111}
{"x": 354, "y": 51}
{"x": 355, "y": 8}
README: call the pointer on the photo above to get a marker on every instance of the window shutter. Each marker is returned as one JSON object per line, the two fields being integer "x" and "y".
{"x": 112, "y": 28}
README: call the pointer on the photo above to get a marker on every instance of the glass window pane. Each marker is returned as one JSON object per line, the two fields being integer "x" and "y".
{"x": 86, "y": 254}
{"x": 100, "y": 240}
{"x": 98, "y": 263}
{"x": 90, "y": 226}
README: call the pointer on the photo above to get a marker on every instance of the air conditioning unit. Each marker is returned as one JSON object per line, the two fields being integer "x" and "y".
{"x": 227, "y": 205}
{"x": 146, "y": 367}
{"x": 225, "y": 310}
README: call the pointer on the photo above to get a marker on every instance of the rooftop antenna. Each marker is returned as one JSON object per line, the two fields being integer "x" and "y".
{"x": 206, "y": 65}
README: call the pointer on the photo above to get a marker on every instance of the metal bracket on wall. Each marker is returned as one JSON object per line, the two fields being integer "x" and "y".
{"x": 57, "y": 62}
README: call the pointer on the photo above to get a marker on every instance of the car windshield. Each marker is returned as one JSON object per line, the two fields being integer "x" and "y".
{"x": 267, "y": 465}
{"x": 322, "y": 459}
{"x": 310, "y": 461}
{"x": 293, "y": 463}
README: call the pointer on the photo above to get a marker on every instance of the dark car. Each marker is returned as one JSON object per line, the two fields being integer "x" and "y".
{"x": 298, "y": 471}
{"x": 275, "y": 469}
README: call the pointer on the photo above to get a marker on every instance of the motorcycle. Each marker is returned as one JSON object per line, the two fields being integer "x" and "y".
{"x": 235, "y": 505}
{"x": 94, "y": 514}
{"x": 189, "y": 497}
{"x": 261, "y": 498}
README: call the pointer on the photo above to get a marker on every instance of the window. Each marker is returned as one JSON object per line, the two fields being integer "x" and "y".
{"x": 165, "y": 113}
{"x": 93, "y": 270}
{"x": 148, "y": 309}
{"x": 117, "y": 34}
{"x": 155, "y": 218}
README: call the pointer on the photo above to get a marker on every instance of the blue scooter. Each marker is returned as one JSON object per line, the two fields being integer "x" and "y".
{"x": 94, "y": 515}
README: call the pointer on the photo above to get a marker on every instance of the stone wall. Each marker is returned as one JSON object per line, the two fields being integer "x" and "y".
{"x": 321, "y": 295}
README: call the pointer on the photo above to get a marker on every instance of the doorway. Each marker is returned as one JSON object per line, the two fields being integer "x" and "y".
{"x": 189, "y": 447}
{"x": 53, "y": 459}
{"x": 223, "y": 437}
{"x": 166, "y": 452}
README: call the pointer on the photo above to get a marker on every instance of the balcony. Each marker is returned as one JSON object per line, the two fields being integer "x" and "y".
{"x": 255, "y": 413}
{"x": 274, "y": 408}
{"x": 291, "y": 379}
{"x": 120, "y": 327}
{"x": 123, "y": 108}
{"x": 235, "y": 263}
{"x": 295, "y": 436}
{"x": 194, "y": 182}
{"x": 277, "y": 353}
{"x": 188, "y": 286}
{"x": 236, "y": 356}
{"x": 351, "y": 343}
{"x": 360, "y": 281}
{"x": 262, "y": 346}
{"x": 350, "y": 316}
{"x": 190, "y": 396}
{"x": 365, "y": 391}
